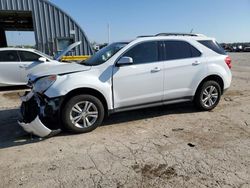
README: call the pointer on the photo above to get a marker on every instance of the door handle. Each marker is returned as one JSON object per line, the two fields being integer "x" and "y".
{"x": 23, "y": 66}
{"x": 196, "y": 63}
{"x": 156, "y": 69}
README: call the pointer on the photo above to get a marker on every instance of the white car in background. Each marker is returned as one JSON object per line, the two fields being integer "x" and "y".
{"x": 17, "y": 63}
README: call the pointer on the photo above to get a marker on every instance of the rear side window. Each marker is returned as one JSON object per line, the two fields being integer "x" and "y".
{"x": 180, "y": 50}
{"x": 28, "y": 56}
{"x": 212, "y": 45}
{"x": 9, "y": 56}
{"x": 195, "y": 52}
{"x": 146, "y": 52}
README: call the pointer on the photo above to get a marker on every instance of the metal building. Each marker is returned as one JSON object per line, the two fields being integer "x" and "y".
{"x": 53, "y": 28}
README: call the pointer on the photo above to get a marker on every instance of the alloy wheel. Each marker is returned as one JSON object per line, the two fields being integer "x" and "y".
{"x": 84, "y": 114}
{"x": 210, "y": 96}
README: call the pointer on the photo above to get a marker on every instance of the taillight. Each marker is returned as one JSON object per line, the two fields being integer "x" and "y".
{"x": 228, "y": 61}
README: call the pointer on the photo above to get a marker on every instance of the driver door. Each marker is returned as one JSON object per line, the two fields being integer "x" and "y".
{"x": 140, "y": 83}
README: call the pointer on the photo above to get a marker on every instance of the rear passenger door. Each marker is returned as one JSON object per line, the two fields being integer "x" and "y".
{"x": 184, "y": 67}
{"x": 10, "y": 68}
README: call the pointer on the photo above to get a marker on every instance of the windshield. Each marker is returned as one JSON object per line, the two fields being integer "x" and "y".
{"x": 104, "y": 54}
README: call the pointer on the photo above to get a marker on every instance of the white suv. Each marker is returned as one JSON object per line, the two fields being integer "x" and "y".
{"x": 148, "y": 71}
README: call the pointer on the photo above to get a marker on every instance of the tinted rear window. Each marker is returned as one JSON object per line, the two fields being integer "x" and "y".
{"x": 212, "y": 45}
{"x": 28, "y": 56}
{"x": 180, "y": 50}
{"x": 195, "y": 52}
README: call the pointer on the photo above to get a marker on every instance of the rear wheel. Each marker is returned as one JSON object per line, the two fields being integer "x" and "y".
{"x": 83, "y": 113}
{"x": 208, "y": 95}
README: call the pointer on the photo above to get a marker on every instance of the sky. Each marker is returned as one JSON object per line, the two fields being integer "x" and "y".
{"x": 226, "y": 20}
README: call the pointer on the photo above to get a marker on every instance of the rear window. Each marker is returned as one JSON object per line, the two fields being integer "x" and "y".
{"x": 180, "y": 50}
{"x": 212, "y": 45}
{"x": 28, "y": 56}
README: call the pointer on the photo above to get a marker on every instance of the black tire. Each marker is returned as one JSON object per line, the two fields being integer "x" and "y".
{"x": 68, "y": 111}
{"x": 200, "y": 96}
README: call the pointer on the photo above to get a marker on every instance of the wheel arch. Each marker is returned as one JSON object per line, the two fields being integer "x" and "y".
{"x": 213, "y": 77}
{"x": 88, "y": 91}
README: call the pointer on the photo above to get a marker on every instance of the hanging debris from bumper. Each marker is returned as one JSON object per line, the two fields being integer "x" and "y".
{"x": 36, "y": 127}
{"x": 34, "y": 119}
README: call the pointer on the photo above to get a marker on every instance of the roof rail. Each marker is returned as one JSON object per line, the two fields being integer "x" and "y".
{"x": 177, "y": 34}
{"x": 173, "y": 34}
{"x": 145, "y": 36}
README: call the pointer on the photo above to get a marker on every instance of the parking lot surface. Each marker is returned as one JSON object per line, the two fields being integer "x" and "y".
{"x": 170, "y": 146}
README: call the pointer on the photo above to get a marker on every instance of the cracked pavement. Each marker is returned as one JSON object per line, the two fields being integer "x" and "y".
{"x": 170, "y": 146}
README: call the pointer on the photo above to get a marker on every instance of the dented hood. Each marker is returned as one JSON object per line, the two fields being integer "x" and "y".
{"x": 59, "y": 70}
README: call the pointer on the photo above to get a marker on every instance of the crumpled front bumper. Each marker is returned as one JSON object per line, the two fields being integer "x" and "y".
{"x": 36, "y": 126}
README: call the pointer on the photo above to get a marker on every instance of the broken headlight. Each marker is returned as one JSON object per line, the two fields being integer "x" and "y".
{"x": 44, "y": 83}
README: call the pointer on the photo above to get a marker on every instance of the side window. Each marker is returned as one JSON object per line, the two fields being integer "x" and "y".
{"x": 212, "y": 45}
{"x": 195, "y": 52}
{"x": 146, "y": 52}
{"x": 9, "y": 56}
{"x": 28, "y": 56}
{"x": 180, "y": 50}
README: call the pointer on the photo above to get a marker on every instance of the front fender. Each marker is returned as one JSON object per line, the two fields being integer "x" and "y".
{"x": 68, "y": 83}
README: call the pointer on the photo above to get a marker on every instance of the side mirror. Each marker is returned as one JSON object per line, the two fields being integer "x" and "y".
{"x": 42, "y": 59}
{"x": 125, "y": 61}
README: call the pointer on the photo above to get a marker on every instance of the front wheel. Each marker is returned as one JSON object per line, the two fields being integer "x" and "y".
{"x": 208, "y": 96}
{"x": 82, "y": 113}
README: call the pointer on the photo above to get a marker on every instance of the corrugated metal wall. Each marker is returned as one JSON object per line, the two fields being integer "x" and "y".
{"x": 50, "y": 22}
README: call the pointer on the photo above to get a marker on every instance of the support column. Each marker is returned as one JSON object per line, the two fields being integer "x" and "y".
{"x": 3, "y": 40}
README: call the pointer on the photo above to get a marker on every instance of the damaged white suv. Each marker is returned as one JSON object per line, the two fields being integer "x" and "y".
{"x": 148, "y": 71}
